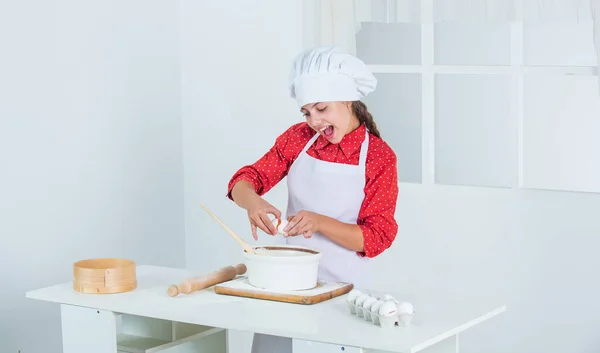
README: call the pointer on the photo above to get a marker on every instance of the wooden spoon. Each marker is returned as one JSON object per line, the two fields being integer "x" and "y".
{"x": 245, "y": 245}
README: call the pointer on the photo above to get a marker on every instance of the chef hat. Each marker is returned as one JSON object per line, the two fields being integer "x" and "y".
{"x": 326, "y": 74}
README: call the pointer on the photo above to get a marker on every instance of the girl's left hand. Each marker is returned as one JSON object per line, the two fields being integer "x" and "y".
{"x": 305, "y": 222}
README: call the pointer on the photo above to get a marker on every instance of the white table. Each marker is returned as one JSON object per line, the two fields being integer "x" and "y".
{"x": 148, "y": 320}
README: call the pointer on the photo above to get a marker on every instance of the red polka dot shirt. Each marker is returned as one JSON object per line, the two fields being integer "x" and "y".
{"x": 376, "y": 216}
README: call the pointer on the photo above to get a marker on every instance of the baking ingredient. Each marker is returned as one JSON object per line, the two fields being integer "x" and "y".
{"x": 375, "y": 306}
{"x": 388, "y": 308}
{"x": 387, "y": 297}
{"x": 359, "y": 302}
{"x": 261, "y": 251}
{"x": 280, "y": 225}
{"x": 388, "y": 314}
{"x": 281, "y": 252}
{"x": 352, "y": 295}
{"x": 405, "y": 308}
{"x": 367, "y": 307}
{"x": 375, "y": 311}
{"x": 368, "y": 302}
{"x": 361, "y": 299}
{"x": 405, "y": 313}
{"x": 351, "y": 298}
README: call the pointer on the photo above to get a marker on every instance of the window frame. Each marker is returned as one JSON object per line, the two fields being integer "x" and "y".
{"x": 312, "y": 12}
{"x": 428, "y": 69}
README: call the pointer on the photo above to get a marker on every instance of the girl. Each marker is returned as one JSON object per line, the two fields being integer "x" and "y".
{"x": 341, "y": 176}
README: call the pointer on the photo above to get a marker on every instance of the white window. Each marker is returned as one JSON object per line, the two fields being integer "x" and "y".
{"x": 474, "y": 92}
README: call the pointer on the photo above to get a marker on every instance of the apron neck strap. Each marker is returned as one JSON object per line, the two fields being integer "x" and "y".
{"x": 310, "y": 142}
{"x": 363, "y": 149}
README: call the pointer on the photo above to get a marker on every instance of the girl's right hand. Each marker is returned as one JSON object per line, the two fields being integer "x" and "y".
{"x": 258, "y": 215}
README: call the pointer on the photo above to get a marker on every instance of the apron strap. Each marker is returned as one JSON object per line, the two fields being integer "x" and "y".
{"x": 310, "y": 142}
{"x": 363, "y": 150}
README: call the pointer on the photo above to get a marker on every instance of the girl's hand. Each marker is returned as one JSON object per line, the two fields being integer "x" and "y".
{"x": 305, "y": 223}
{"x": 258, "y": 215}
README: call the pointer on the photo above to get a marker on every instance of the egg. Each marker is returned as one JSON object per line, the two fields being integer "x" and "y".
{"x": 375, "y": 307}
{"x": 388, "y": 308}
{"x": 388, "y": 314}
{"x": 351, "y": 298}
{"x": 375, "y": 311}
{"x": 359, "y": 302}
{"x": 368, "y": 302}
{"x": 361, "y": 299}
{"x": 387, "y": 297}
{"x": 367, "y": 307}
{"x": 405, "y": 308}
{"x": 280, "y": 226}
{"x": 352, "y": 295}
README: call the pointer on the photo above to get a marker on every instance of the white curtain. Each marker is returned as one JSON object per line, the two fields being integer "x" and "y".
{"x": 339, "y": 20}
{"x": 337, "y": 23}
{"x": 469, "y": 10}
{"x": 596, "y": 16}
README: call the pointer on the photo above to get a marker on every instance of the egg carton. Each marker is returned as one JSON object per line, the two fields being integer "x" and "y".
{"x": 383, "y": 311}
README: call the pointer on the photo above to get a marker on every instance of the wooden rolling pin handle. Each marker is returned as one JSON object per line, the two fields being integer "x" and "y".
{"x": 197, "y": 283}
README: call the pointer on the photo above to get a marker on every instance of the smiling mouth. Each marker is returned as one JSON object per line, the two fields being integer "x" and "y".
{"x": 327, "y": 131}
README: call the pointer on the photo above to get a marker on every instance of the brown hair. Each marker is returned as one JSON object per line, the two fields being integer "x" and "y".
{"x": 360, "y": 111}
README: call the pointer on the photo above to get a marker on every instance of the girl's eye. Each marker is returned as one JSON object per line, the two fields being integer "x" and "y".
{"x": 322, "y": 109}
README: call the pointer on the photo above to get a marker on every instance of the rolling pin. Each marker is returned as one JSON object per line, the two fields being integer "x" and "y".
{"x": 196, "y": 283}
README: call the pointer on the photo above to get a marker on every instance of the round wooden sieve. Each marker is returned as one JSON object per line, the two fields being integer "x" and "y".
{"x": 104, "y": 276}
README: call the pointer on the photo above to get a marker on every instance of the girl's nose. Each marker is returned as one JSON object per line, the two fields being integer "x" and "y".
{"x": 314, "y": 121}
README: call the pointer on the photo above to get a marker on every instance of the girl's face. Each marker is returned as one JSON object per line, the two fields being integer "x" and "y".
{"x": 333, "y": 120}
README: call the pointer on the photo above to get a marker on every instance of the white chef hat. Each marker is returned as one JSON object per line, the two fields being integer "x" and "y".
{"x": 326, "y": 74}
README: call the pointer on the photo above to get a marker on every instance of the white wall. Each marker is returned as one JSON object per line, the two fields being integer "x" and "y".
{"x": 235, "y": 62}
{"x": 90, "y": 149}
{"x": 235, "y": 102}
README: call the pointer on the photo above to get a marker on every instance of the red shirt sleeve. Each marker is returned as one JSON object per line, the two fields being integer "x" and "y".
{"x": 274, "y": 165}
{"x": 377, "y": 215}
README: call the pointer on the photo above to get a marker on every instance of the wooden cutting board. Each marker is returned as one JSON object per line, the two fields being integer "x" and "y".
{"x": 324, "y": 291}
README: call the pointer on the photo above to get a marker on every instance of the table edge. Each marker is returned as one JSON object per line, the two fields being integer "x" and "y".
{"x": 461, "y": 328}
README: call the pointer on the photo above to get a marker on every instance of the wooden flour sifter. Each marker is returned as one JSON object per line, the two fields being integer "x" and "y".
{"x": 104, "y": 276}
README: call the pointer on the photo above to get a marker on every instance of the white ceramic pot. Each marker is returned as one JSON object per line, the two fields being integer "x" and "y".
{"x": 283, "y": 267}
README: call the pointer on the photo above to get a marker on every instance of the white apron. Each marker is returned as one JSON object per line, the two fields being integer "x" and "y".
{"x": 331, "y": 189}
